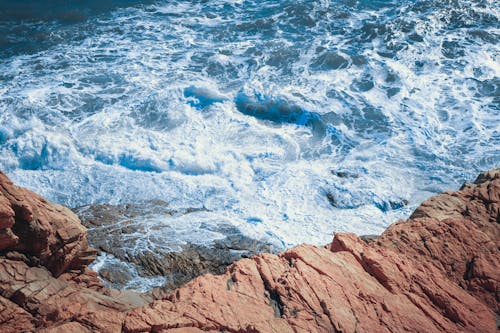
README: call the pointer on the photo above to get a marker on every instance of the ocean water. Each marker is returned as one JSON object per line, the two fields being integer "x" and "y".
{"x": 289, "y": 120}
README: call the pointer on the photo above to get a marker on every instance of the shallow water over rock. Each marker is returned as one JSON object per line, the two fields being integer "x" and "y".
{"x": 247, "y": 110}
{"x": 149, "y": 245}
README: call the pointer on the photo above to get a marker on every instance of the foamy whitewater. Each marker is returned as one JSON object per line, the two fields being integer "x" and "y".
{"x": 289, "y": 120}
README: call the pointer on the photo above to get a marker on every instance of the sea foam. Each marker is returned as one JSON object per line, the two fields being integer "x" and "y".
{"x": 289, "y": 120}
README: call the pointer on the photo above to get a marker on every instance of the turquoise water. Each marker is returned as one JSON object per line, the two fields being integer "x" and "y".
{"x": 287, "y": 119}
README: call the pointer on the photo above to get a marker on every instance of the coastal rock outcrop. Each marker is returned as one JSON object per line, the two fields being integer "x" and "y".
{"x": 117, "y": 229}
{"x": 438, "y": 271}
{"x": 49, "y": 234}
{"x": 44, "y": 281}
{"x": 435, "y": 272}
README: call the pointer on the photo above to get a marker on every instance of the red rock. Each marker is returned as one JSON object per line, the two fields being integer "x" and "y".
{"x": 53, "y": 300}
{"x": 13, "y": 318}
{"x": 7, "y": 239}
{"x": 6, "y": 213}
{"x": 436, "y": 272}
{"x": 460, "y": 236}
{"x": 44, "y": 282}
{"x": 66, "y": 328}
{"x": 51, "y": 233}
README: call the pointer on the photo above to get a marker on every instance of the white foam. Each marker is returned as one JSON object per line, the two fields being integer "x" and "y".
{"x": 136, "y": 282}
{"x": 143, "y": 108}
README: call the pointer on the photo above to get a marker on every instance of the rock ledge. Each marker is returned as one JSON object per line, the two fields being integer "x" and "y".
{"x": 438, "y": 271}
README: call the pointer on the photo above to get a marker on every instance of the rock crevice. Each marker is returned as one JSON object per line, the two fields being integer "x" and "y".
{"x": 438, "y": 271}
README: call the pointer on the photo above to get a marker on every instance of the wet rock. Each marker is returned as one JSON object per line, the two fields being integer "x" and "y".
{"x": 434, "y": 272}
{"x": 368, "y": 238}
{"x": 116, "y": 274}
{"x": 117, "y": 230}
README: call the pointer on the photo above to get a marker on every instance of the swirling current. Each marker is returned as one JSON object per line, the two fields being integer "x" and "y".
{"x": 288, "y": 120}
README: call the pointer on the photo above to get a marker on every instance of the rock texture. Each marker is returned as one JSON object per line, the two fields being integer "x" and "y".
{"x": 44, "y": 282}
{"x": 51, "y": 234}
{"x": 438, "y": 271}
{"x": 117, "y": 229}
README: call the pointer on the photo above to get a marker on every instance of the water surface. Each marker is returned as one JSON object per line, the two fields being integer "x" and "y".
{"x": 286, "y": 119}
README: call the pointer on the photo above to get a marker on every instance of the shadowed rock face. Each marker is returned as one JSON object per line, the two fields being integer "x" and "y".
{"x": 50, "y": 234}
{"x": 436, "y": 272}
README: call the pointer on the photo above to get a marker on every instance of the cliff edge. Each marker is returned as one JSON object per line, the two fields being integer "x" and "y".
{"x": 438, "y": 271}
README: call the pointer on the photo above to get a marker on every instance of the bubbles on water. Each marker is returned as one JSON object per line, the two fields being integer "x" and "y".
{"x": 245, "y": 108}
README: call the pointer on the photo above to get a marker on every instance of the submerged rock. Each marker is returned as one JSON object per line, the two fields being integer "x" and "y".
{"x": 121, "y": 231}
{"x": 435, "y": 272}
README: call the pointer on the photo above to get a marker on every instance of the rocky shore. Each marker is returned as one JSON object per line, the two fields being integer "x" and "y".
{"x": 119, "y": 231}
{"x": 438, "y": 271}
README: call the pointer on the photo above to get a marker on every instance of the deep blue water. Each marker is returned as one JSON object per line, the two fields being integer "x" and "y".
{"x": 288, "y": 119}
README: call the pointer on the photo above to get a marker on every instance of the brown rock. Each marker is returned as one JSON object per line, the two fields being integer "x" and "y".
{"x": 51, "y": 233}
{"x": 6, "y": 213}
{"x": 84, "y": 277}
{"x": 52, "y": 301}
{"x": 459, "y": 233}
{"x": 43, "y": 279}
{"x": 13, "y": 318}
{"x": 7, "y": 239}
{"x": 67, "y": 328}
{"x": 436, "y": 272}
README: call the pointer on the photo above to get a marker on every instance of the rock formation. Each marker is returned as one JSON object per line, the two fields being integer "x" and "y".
{"x": 50, "y": 234}
{"x": 438, "y": 271}
{"x": 117, "y": 229}
{"x": 43, "y": 279}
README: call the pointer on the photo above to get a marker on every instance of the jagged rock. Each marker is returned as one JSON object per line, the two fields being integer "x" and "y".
{"x": 435, "y": 272}
{"x": 66, "y": 328}
{"x": 40, "y": 298}
{"x": 43, "y": 278}
{"x": 6, "y": 213}
{"x": 13, "y": 318}
{"x": 50, "y": 233}
{"x": 459, "y": 233}
{"x": 117, "y": 229}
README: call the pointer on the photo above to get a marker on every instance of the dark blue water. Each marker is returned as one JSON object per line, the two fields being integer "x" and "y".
{"x": 287, "y": 119}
